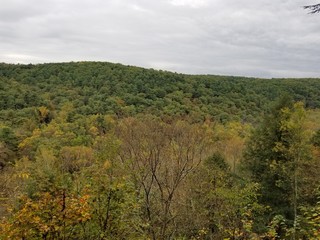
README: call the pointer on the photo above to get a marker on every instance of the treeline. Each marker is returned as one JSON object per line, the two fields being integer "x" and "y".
{"x": 78, "y": 160}
{"x": 105, "y": 88}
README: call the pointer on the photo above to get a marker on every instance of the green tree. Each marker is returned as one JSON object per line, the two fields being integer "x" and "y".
{"x": 217, "y": 204}
{"x": 275, "y": 156}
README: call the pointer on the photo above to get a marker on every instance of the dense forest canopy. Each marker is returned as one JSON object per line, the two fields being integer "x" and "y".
{"x": 93, "y": 150}
{"x": 106, "y": 88}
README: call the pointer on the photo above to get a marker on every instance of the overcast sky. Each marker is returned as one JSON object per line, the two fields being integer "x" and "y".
{"x": 263, "y": 38}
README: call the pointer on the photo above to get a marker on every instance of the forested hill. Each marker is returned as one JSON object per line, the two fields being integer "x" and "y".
{"x": 94, "y": 150}
{"x": 107, "y": 88}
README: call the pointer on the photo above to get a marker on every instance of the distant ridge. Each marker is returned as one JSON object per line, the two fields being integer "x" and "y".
{"x": 113, "y": 88}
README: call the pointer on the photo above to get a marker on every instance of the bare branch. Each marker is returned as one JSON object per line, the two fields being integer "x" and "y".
{"x": 313, "y": 8}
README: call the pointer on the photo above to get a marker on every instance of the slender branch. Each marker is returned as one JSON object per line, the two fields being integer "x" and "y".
{"x": 313, "y": 8}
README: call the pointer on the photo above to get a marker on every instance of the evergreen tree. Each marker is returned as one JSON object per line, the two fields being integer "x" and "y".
{"x": 274, "y": 155}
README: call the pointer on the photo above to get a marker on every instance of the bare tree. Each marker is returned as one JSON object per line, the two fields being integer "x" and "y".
{"x": 160, "y": 156}
{"x": 313, "y": 8}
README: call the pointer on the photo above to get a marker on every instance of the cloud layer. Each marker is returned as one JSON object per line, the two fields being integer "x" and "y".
{"x": 251, "y": 38}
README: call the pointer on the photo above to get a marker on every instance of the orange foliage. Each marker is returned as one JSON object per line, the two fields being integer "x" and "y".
{"x": 50, "y": 216}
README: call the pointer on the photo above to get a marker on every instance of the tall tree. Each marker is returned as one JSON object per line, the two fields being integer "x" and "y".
{"x": 274, "y": 155}
{"x": 160, "y": 157}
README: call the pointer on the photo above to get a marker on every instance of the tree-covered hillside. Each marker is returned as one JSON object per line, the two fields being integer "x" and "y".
{"x": 106, "y": 88}
{"x": 104, "y": 151}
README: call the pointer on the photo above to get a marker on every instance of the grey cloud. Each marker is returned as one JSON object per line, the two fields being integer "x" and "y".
{"x": 253, "y": 38}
